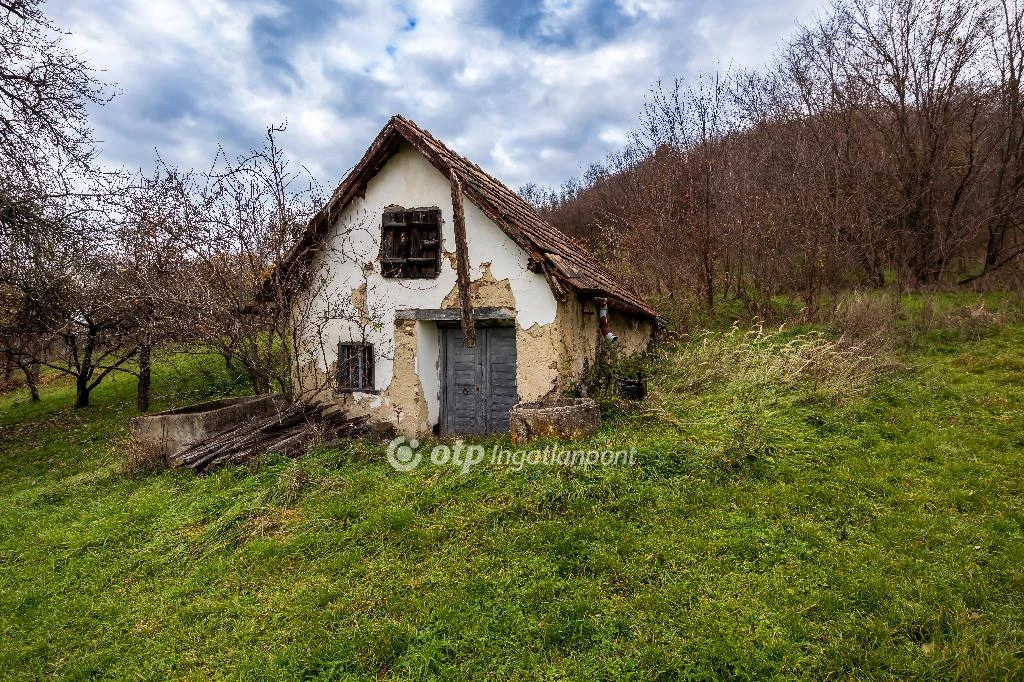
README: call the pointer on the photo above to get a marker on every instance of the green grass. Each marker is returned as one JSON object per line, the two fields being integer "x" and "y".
{"x": 860, "y": 522}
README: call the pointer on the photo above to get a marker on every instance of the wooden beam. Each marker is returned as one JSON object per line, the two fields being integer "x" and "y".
{"x": 557, "y": 289}
{"x": 481, "y": 314}
{"x": 462, "y": 262}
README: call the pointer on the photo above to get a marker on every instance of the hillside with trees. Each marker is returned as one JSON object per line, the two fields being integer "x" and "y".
{"x": 884, "y": 146}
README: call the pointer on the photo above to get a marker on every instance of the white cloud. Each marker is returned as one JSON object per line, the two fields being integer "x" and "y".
{"x": 528, "y": 101}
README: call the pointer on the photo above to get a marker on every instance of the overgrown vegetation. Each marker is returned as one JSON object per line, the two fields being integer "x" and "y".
{"x": 800, "y": 507}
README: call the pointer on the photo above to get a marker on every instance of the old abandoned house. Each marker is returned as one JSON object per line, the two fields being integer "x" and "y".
{"x": 443, "y": 298}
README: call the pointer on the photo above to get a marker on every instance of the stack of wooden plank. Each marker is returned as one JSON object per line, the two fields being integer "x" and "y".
{"x": 289, "y": 432}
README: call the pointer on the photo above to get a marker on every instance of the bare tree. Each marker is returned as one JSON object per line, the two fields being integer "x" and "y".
{"x": 884, "y": 143}
{"x": 148, "y": 242}
{"x": 47, "y": 185}
{"x": 230, "y": 230}
{"x": 910, "y": 72}
{"x": 1004, "y": 239}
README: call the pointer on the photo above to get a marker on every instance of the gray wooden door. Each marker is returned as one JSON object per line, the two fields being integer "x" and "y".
{"x": 479, "y": 386}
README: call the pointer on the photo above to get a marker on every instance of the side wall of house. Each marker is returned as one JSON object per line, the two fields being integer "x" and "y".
{"x": 578, "y": 326}
{"x": 349, "y": 300}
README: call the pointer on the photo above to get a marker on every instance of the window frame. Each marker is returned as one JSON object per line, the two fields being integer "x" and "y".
{"x": 362, "y": 353}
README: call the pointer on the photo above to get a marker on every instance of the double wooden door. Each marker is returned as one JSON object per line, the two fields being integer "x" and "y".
{"x": 479, "y": 383}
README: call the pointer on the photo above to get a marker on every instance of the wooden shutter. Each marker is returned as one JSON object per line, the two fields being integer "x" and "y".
{"x": 411, "y": 242}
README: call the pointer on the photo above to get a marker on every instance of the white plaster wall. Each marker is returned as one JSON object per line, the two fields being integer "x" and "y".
{"x": 428, "y": 367}
{"x": 409, "y": 180}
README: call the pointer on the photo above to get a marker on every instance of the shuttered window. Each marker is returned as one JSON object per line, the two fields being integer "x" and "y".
{"x": 411, "y": 242}
{"x": 355, "y": 366}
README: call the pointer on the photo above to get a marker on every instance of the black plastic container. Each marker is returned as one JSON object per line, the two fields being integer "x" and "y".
{"x": 631, "y": 389}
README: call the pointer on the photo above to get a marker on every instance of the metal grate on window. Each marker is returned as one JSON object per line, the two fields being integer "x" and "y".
{"x": 355, "y": 366}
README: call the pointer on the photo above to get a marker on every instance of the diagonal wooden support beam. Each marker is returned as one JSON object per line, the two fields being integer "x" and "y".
{"x": 462, "y": 262}
{"x": 557, "y": 289}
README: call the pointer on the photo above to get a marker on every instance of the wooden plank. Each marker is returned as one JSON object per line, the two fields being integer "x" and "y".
{"x": 559, "y": 292}
{"x": 500, "y": 363}
{"x": 462, "y": 262}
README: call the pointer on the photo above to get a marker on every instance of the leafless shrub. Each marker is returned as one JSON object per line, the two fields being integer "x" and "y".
{"x": 961, "y": 321}
{"x": 974, "y": 321}
{"x": 868, "y": 316}
{"x": 879, "y": 319}
{"x": 137, "y": 457}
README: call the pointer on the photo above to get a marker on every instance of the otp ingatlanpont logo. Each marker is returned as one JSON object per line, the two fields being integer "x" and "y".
{"x": 404, "y": 457}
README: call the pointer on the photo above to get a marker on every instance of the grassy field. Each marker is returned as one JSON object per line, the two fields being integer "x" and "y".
{"x": 798, "y": 508}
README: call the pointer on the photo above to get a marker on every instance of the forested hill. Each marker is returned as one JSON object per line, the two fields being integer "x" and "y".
{"x": 883, "y": 145}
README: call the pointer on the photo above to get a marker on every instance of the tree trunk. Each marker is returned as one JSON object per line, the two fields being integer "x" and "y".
{"x": 145, "y": 377}
{"x": 709, "y": 281}
{"x": 709, "y": 290}
{"x": 85, "y": 370}
{"x": 926, "y": 263}
{"x": 996, "y": 235}
{"x": 875, "y": 275}
{"x": 260, "y": 382}
{"x": 31, "y": 372}
{"x": 82, "y": 390}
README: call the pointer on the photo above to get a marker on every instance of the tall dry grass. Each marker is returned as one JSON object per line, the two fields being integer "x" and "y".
{"x": 883, "y": 319}
{"x": 768, "y": 360}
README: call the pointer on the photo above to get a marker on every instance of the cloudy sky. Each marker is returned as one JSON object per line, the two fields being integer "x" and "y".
{"x": 530, "y": 90}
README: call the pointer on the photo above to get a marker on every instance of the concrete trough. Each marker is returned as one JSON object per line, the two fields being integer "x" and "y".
{"x": 169, "y": 433}
{"x": 561, "y": 419}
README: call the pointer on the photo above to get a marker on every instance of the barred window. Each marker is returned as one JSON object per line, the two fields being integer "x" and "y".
{"x": 410, "y": 244}
{"x": 355, "y": 366}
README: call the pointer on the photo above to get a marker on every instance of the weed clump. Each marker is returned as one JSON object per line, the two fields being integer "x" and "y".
{"x": 735, "y": 401}
{"x": 138, "y": 458}
{"x": 867, "y": 316}
{"x": 884, "y": 319}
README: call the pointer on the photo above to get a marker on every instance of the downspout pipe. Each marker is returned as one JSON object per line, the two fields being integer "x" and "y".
{"x": 602, "y": 320}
